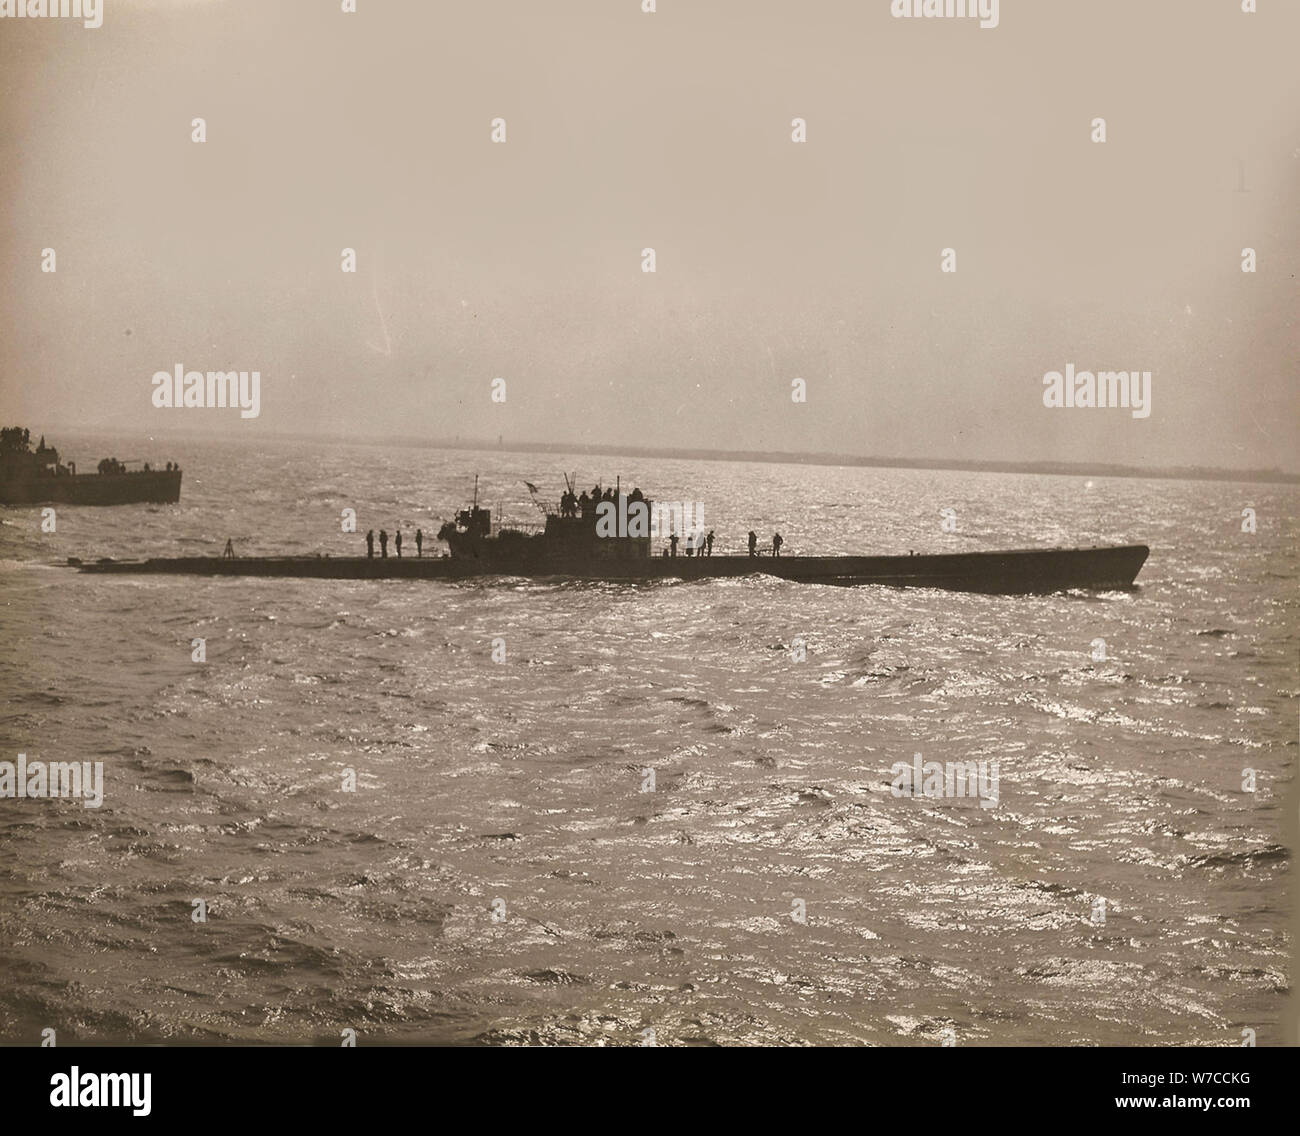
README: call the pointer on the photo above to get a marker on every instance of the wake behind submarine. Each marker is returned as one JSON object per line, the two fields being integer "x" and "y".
{"x": 605, "y": 535}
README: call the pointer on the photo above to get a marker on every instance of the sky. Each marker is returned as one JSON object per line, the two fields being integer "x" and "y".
{"x": 625, "y": 130}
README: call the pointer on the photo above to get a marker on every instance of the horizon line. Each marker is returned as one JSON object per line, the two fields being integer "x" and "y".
{"x": 1046, "y": 467}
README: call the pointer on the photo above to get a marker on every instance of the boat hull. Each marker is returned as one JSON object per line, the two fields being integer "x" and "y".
{"x": 1022, "y": 571}
{"x": 155, "y": 486}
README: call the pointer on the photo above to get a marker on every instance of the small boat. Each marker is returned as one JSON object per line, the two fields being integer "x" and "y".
{"x": 37, "y": 477}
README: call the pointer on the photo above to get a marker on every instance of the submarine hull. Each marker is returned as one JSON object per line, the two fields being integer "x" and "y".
{"x": 1023, "y": 571}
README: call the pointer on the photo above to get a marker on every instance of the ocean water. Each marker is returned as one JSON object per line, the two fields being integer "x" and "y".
{"x": 499, "y": 876}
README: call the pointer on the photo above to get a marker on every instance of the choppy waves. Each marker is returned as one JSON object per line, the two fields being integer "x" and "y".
{"x": 770, "y": 714}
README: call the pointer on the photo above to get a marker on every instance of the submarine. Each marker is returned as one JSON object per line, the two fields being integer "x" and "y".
{"x": 578, "y": 542}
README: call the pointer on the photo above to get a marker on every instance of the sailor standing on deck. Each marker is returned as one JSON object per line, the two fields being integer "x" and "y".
{"x": 708, "y": 544}
{"x": 753, "y": 543}
{"x": 398, "y": 542}
{"x": 776, "y": 544}
{"x": 383, "y": 543}
{"x": 419, "y": 543}
{"x": 370, "y": 544}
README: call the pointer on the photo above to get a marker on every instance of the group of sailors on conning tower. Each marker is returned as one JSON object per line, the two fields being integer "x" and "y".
{"x": 585, "y": 504}
{"x": 698, "y": 543}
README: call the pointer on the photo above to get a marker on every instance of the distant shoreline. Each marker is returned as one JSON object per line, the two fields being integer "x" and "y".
{"x": 777, "y": 457}
{"x": 769, "y": 457}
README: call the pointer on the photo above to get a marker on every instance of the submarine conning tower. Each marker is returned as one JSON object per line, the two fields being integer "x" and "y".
{"x": 605, "y": 524}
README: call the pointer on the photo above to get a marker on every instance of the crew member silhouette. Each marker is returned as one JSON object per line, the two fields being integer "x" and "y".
{"x": 776, "y": 544}
{"x": 383, "y": 543}
{"x": 753, "y": 543}
{"x": 398, "y": 542}
{"x": 672, "y": 544}
{"x": 708, "y": 544}
{"x": 419, "y": 543}
{"x": 370, "y": 544}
